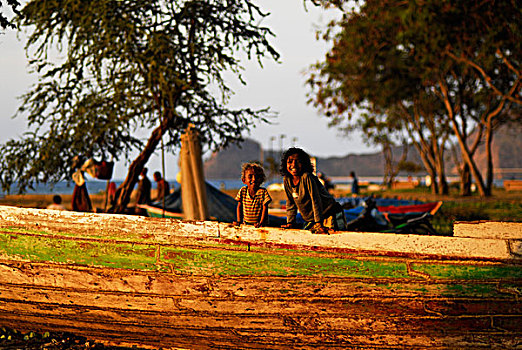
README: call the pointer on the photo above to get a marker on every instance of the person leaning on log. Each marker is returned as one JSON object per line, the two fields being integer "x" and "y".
{"x": 252, "y": 199}
{"x": 305, "y": 192}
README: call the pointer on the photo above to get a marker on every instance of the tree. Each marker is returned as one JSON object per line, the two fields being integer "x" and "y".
{"x": 5, "y": 22}
{"x": 395, "y": 54}
{"x": 369, "y": 70}
{"x": 378, "y": 130}
{"x": 489, "y": 44}
{"x": 129, "y": 66}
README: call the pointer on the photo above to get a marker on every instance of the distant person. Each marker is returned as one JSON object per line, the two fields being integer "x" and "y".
{"x": 163, "y": 188}
{"x": 143, "y": 192}
{"x": 355, "y": 183}
{"x": 305, "y": 193}
{"x": 325, "y": 181}
{"x": 111, "y": 193}
{"x": 57, "y": 203}
{"x": 80, "y": 200}
{"x": 253, "y": 200}
{"x": 144, "y": 187}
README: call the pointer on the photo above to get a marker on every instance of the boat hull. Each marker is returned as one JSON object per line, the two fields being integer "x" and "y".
{"x": 165, "y": 283}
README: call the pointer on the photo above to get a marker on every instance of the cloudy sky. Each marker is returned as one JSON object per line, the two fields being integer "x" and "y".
{"x": 279, "y": 86}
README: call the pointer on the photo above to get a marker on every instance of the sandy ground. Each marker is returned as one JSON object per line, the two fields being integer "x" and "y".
{"x": 98, "y": 200}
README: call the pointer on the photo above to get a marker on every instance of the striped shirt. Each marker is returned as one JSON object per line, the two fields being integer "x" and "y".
{"x": 253, "y": 207}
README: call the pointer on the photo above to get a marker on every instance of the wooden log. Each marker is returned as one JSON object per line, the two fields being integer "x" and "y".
{"x": 513, "y": 185}
{"x": 196, "y": 164}
{"x": 488, "y": 229}
{"x": 162, "y": 283}
{"x": 170, "y": 229}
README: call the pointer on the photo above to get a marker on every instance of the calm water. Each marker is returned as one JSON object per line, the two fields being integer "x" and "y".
{"x": 97, "y": 186}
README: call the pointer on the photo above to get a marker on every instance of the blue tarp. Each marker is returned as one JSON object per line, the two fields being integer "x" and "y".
{"x": 221, "y": 206}
{"x": 380, "y": 202}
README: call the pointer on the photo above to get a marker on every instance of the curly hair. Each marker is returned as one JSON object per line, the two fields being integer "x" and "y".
{"x": 304, "y": 159}
{"x": 256, "y": 167}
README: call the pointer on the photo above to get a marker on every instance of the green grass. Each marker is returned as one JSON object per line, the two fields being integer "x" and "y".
{"x": 500, "y": 210}
{"x": 502, "y": 206}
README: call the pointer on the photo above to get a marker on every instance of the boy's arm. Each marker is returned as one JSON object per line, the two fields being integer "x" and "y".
{"x": 291, "y": 207}
{"x": 264, "y": 215}
{"x": 239, "y": 212}
{"x": 311, "y": 186}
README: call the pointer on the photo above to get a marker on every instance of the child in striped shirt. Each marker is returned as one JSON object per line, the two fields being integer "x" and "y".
{"x": 253, "y": 200}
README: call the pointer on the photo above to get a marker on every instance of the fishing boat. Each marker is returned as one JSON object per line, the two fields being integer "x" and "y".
{"x": 431, "y": 207}
{"x": 165, "y": 283}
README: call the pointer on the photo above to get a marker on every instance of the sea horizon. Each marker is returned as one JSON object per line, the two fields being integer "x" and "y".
{"x": 95, "y": 186}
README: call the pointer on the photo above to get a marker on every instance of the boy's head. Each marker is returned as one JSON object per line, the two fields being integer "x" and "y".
{"x": 304, "y": 160}
{"x": 57, "y": 199}
{"x": 157, "y": 176}
{"x": 255, "y": 169}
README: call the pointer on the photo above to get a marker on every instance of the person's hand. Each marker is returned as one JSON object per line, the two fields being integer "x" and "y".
{"x": 235, "y": 223}
{"x": 257, "y": 224}
{"x": 318, "y": 228}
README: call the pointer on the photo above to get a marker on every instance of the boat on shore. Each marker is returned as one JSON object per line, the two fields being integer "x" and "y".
{"x": 165, "y": 283}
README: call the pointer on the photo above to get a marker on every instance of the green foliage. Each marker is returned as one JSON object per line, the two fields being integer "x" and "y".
{"x": 109, "y": 69}
{"x": 410, "y": 167}
{"x": 416, "y": 66}
{"x": 498, "y": 210}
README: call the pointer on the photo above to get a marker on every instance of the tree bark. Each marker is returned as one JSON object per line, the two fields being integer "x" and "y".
{"x": 465, "y": 181}
{"x": 124, "y": 192}
{"x": 466, "y": 154}
{"x": 489, "y": 159}
{"x": 432, "y": 155}
{"x": 443, "y": 183}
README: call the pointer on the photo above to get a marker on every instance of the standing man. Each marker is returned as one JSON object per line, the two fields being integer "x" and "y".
{"x": 355, "y": 183}
{"x": 163, "y": 188}
{"x": 143, "y": 192}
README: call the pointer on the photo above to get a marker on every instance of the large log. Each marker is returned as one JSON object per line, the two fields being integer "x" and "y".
{"x": 162, "y": 283}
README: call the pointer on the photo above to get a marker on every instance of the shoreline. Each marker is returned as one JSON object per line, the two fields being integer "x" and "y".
{"x": 41, "y": 201}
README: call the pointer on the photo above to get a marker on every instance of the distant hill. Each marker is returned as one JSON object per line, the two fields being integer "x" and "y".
{"x": 226, "y": 164}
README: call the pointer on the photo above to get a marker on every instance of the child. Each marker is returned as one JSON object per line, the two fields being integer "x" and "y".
{"x": 57, "y": 203}
{"x": 305, "y": 192}
{"x": 253, "y": 200}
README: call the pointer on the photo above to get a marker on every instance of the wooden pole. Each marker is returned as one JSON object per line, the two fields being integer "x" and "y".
{"x": 164, "y": 174}
{"x": 188, "y": 198}
{"x": 197, "y": 172}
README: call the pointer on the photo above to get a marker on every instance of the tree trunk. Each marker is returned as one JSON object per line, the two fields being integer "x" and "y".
{"x": 465, "y": 181}
{"x": 443, "y": 183}
{"x": 124, "y": 192}
{"x": 489, "y": 157}
{"x": 388, "y": 166}
{"x": 430, "y": 168}
{"x": 467, "y": 156}
{"x": 489, "y": 143}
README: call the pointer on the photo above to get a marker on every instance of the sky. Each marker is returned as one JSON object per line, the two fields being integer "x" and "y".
{"x": 280, "y": 86}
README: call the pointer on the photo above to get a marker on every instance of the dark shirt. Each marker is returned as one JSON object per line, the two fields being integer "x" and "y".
{"x": 143, "y": 195}
{"x": 309, "y": 196}
{"x": 355, "y": 186}
{"x": 163, "y": 189}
